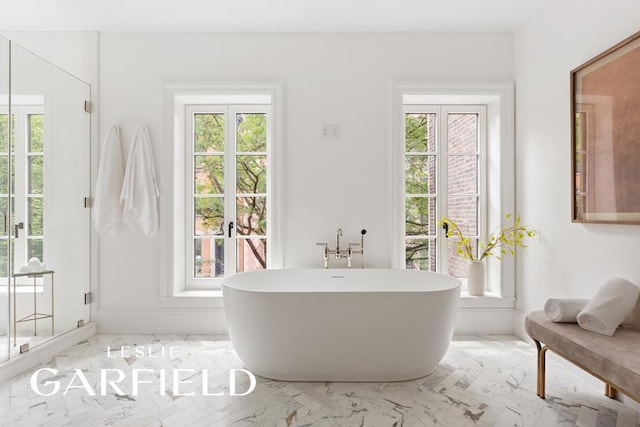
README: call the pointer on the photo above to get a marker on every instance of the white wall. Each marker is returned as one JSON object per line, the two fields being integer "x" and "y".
{"x": 73, "y": 51}
{"x": 328, "y": 183}
{"x": 569, "y": 260}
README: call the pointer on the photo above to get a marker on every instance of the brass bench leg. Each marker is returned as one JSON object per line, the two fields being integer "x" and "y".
{"x": 609, "y": 391}
{"x": 541, "y": 368}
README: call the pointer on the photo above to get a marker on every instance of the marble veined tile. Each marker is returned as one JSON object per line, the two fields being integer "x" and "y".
{"x": 482, "y": 381}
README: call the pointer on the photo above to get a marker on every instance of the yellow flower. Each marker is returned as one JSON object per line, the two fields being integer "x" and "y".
{"x": 502, "y": 240}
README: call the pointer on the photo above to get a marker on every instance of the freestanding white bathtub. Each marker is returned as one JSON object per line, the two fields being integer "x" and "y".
{"x": 341, "y": 325}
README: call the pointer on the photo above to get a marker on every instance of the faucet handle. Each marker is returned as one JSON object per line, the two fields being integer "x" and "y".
{"x": 321, "y": 244}
{"x": 352, "y": 251}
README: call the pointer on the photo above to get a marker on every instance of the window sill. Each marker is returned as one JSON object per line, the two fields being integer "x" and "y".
{"x": 194, "y": 298}
{"x": 488, "y": 300}
{"x": 23, "y": 289}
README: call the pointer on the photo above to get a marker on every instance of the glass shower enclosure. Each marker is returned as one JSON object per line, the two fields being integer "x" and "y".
{"x": 44, "y": 193}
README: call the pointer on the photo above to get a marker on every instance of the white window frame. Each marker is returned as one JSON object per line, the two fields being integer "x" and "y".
{"x": 22, "y": 196}
{"x": 442, "y": 156}
{"x": 230, "y": 153}
{"x": 499, "y": 164}
{"x": 20, "y": 253}
{"x": 177, "y": 291}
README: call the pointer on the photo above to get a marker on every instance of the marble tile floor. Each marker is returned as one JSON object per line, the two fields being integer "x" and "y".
{"x": 483, "y": 381}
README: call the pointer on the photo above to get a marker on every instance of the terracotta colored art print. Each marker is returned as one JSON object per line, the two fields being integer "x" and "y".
{"x": 605, "y": 119}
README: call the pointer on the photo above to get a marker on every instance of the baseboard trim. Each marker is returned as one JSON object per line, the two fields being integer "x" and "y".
{"x": 162, "y": 321}
{"x": 485, "y": 321}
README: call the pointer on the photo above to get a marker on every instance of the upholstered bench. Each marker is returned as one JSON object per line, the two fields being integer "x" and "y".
{"x": 614, "y": 360}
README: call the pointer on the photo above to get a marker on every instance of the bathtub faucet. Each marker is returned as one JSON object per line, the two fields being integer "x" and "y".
{"x": 326, "y": 253}
{"x": 342, "y": 253}
{"x": 359, "y": 251}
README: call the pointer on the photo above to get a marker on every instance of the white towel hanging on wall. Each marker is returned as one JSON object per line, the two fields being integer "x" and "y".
{"x": 140, "y": 190}
{"x": 107, "y": 209}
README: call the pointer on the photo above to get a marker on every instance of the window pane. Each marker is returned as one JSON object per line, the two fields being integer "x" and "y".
{"x": 457, "y": 265}
{"x": 251, "y": 174}
{"x": 462, "y": 174}
{"x": 251, "y": 215}
{"x": 4, "y": 179}
{"x": 209, "y": 174}
{"x": 4, "y": 244}
{"x": 4, "y": 221}
{"x": 12, "y": 220}
{"x": 209, "y": 257}
{"x": 462, "y": 132}
{"x": 420, "y": 254}
{"x": 13, "y": 173}
{"x": 35, "y": 249}
{"x": 463, "y": 211}
{"x": 209, "y": 216}
{"x": 209, "y": 133}
{"x": 4, "y": 132}
{"x": 36, "y": 140}
{"x": 420, "y": 216}
{"x": 420, "y": 174}
{"x": 4, "y": 176}
{"x": 35, "y": 216}
{"x": 251, "y": 133}
{"x": 420, "y": 132}
{"x": 252, "y": 254}
{"x": 36, "y": 175}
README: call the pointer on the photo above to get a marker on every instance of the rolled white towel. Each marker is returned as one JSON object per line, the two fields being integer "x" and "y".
{"x": 613, "y": 302}
{"x": 35, "y": 265}
{"x": 38, "y": 268}
{"x": 564, "y": 310}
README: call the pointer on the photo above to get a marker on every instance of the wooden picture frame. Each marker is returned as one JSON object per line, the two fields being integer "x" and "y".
{"x": 605, "y": 136}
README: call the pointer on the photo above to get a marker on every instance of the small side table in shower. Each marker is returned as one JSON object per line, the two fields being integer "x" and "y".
{"x": 35, "y": 316}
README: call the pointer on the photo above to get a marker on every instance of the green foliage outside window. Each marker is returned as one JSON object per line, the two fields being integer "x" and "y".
{"x": 251, "y": 178}
{"x": 420, "y": 182}
{"x": 34, "y": 147}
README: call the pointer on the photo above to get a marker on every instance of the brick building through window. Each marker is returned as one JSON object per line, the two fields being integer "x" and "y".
{"x": 443, "y": 178}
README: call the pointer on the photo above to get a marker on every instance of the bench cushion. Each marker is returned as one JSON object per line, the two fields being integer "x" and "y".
{"x": 615, "y": 358}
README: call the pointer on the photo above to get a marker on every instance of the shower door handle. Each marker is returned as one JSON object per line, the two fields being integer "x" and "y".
{"x": 230, "y": 227}
{"x": 18, "y": 226}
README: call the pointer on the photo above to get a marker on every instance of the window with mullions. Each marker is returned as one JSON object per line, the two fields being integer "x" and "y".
{"x": 34, "y": 195}
{"x": 27, "y": 185}
{"x": 227, "y": 192}
{"x": 7, "y": 128}
{"x": 443, "y": 176}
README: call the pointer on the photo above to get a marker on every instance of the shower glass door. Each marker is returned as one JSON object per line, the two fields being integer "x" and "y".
{"x": 5, "y": 129}
{"x": 48, "y": 236}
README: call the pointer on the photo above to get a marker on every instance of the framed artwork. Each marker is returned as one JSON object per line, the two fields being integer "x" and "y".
{"x": 605, "y": 136}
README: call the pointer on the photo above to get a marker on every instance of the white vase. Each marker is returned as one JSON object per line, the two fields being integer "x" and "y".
{"x": 475, "y": 278}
